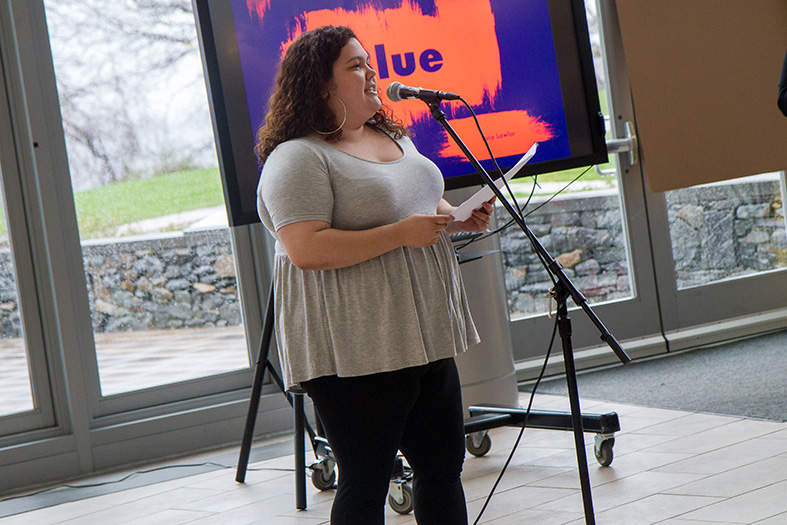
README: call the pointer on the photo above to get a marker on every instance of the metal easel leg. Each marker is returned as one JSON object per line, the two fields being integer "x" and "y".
{"x": 296, "y": 402}
{"x": 256, "y": 389}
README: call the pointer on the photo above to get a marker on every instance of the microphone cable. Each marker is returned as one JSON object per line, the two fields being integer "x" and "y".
{"x": 505, "y": 182}
{"x": 511, "y": 193}
{"x": 528, "y": 214}
{"x": 522, "y": 216}
{"x": 492, "y": 156}
{"x": 524, "y": 425}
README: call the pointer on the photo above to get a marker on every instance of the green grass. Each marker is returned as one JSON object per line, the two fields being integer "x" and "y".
{"x": 101, "y": 210}
{"x": 564, "y": 177}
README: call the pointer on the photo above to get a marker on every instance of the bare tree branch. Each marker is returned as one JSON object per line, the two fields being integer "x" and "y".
{"x": 117, "y": 63}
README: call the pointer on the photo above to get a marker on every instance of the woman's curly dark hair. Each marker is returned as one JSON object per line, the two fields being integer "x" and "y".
{"x": 299, "y": 103}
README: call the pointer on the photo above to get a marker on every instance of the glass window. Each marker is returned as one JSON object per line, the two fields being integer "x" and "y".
{"x": 15, "y": 388}
{"x": 577, "y": 216}
{"x": 156, "y": 246}
{"x": 727, "y": 230}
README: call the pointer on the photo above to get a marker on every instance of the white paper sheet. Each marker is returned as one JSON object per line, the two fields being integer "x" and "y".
{"x": 465, "y": 210}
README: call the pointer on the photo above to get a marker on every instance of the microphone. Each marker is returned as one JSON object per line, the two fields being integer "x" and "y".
{"x": 397, "y": 92}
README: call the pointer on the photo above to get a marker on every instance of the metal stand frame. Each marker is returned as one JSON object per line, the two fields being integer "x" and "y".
{"x": 562, "y": 290}
{"x": 323, "y": 469}
{"x": 301, "y": 425}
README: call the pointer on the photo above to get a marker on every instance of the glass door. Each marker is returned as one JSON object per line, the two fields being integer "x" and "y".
{"x": 25, "y": 394}
{"x": 595, "y": 227}
{"x": 724, "y": 254}
{"x": 157, "y": 251}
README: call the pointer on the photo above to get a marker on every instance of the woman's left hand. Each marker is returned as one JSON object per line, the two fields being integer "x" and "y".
{"x": 478, "y": 221}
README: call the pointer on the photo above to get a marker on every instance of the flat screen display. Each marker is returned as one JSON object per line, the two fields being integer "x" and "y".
{"x": 525, "y": 67}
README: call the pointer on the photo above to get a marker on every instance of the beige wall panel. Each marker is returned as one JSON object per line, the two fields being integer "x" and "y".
{"x": 704, "y": 76}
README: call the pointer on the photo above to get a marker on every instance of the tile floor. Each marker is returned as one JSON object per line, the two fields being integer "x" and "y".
{"x": 669, "y": 467}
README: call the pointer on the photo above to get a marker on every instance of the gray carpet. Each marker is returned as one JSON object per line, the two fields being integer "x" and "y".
{"x": 745, "y": 378}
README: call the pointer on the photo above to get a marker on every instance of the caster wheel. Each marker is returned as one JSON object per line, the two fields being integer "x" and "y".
{"x": 478, "y": 450}
{"x": 406, "y": 505}
{"x": 322, "y": 479}
{"x": 603, "y": 451}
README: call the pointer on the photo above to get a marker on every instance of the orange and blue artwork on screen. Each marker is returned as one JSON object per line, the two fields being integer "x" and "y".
{"x": 498, "y": 55}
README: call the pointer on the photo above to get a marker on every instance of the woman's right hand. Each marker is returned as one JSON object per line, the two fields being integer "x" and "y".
{"x": 315, "y": 245}
{"x": 419, "y": 231}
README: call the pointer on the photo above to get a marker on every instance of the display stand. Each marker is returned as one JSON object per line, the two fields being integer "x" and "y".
{"x": 323, "y": 468}
{"x": 325, "y": 475}
{"x": 487, "y": 371}
{"x": 493, "y": 416}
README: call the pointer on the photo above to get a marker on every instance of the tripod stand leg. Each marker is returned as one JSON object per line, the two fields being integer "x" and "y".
{"x": 564, "y": 327}
{"x": 300, "y": 460}
{"x": 254, "y": 402}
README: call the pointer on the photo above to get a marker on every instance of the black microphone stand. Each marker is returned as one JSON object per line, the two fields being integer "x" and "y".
{"x": 562, "y": 290}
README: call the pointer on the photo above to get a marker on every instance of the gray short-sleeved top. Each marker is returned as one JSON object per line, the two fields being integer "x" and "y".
{"x": 404, "y": 308}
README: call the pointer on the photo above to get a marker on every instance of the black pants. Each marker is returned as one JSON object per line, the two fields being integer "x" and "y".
{"x": 417, "y": 411}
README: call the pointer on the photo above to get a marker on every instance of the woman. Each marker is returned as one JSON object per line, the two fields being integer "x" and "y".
{"x": 370, "y": 307}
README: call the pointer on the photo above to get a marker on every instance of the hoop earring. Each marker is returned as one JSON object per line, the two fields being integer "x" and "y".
{"x": 340, "y": 125}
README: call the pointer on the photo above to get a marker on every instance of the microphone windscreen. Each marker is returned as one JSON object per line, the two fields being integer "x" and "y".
{"x": 393, "y": 91}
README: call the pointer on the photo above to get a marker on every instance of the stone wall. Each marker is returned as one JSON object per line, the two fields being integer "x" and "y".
{"x": 717, "y": 232}
{"x": 173, "y": 282}
{"x": 584, "y": 233}
{"x": 726, "y": 230}
{"x": 9, "y": 311}
{"x": 188, "y": 279}
{"x": 160, "y": 282}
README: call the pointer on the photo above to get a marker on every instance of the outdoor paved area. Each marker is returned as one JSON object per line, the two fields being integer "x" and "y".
{"x": 134, "y": 360}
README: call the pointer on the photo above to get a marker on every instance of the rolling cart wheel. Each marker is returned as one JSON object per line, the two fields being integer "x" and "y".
{"x": 603, "y": 450}
{"x": 406, "y": 505}
{"x": 323, "y": 478}
{"x": 480, "y": 449}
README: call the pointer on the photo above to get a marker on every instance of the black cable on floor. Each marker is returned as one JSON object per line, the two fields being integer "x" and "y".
{"x": 134, "y": 474}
